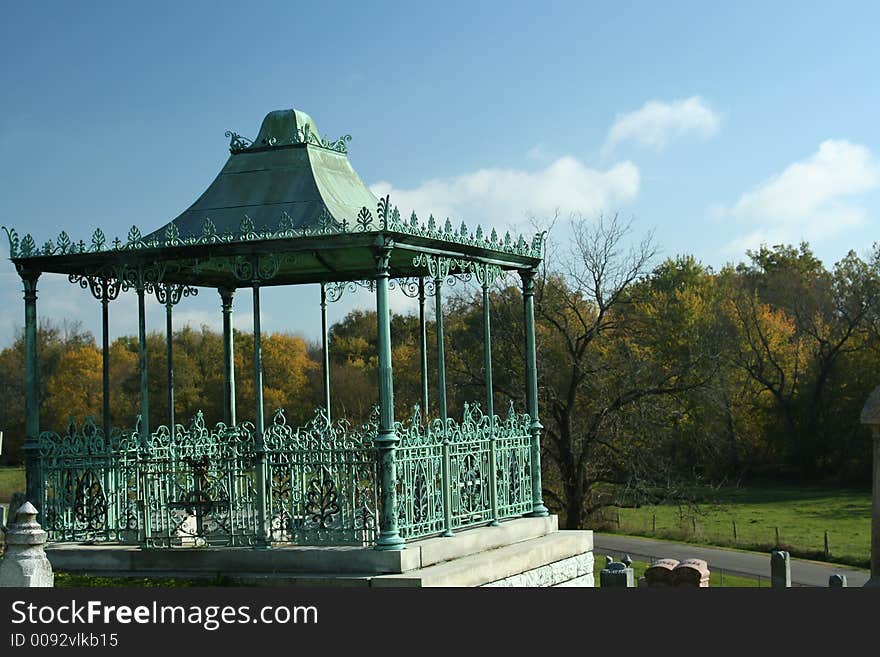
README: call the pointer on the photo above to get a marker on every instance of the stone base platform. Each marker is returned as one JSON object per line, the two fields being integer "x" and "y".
{"x": 519, "y": 552}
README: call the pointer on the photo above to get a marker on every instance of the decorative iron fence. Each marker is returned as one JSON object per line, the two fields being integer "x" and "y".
{"x": 85, "y": 483}
{"x": 197, "y": 486}
{"x": 468, "y": 449}
{"x": 322, "y": 482}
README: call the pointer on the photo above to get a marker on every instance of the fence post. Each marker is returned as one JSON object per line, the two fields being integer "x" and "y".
{"x": 827, "y": 545}
{"x": 777, "y": 537}
{"x": 734, "y": 532}
{"x": 654, "y": 523}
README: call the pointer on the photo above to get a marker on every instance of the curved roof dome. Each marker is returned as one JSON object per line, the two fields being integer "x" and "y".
{"x": 289, "y": 170}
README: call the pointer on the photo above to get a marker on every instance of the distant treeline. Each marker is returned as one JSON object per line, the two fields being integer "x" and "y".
{"x": 649, "y": 376}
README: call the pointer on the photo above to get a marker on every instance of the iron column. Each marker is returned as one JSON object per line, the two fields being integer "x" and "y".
{"x": 262, "y": 491}
{"x": 105, "y": 353}
{"x": 144, "y": 453}
{"x": 528, "y": 287}
{"x": 490, "y": 397}
{"x": 386, "y": 441}
{"x": 445, "y": 465}
{"x": 34, "y": 485}
{"x": 326, "y": 352}
{"x": 423, "y": 348}
{"x": 228, "y": 357}
{"x": 169, "y": 355}
{"x": 142, "y": 362}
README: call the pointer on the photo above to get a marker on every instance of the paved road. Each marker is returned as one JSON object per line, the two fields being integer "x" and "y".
{"x": 736, "y": 562}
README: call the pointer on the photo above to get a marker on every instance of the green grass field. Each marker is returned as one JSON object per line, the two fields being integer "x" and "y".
{"x": 11, "y": 481}
{"x": 801, "y": 513}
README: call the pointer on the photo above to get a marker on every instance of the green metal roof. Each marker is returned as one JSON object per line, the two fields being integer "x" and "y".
{"x": 288, "y": 202}
{"x": 288, "y": 170}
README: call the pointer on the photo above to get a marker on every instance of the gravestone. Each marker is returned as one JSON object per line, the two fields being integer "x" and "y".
{"x": 659, "y": 573}
{"x": 837, "y": 581}
{"x": 691, "y": 573}
{"x": 24, "y": 562}
{"x": 616, "y": 574}
{"x": 780, "y": 569}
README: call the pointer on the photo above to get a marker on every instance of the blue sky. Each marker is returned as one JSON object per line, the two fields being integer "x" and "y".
{"x": 716, "y": 126}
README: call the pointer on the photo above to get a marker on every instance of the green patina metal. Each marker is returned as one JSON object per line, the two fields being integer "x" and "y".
{"x": 286, "y": 209}
{"x": 226, "y": 296}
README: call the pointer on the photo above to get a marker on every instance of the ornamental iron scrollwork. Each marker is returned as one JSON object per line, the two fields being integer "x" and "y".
{"x": 335, "y": 290}
{"x": 172, "y": 293}
{"x": 303, "y": 135}
{"x": 237, "y": 143}
{"x": 388, "y": 219}
{"x": 90, "y": 503}
{"x": 322, "y": 500}
{"x": 101, "y": 287}
{"x": 468, "y": 441}
{"x": 197, "y": 485}
{"x": 255, "y": 269}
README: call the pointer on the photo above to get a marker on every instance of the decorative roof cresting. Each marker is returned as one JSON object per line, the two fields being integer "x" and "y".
{"x": 276, "y": 132}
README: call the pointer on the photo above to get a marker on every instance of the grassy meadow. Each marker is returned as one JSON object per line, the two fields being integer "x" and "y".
{"x": 801, "y": 513}
{"x": 11, "y": 481}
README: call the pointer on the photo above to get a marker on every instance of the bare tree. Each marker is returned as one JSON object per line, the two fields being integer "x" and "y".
{"x": 592, "y": 376}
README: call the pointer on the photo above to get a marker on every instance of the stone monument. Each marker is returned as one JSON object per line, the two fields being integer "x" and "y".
{"x": 871, "y": 417}
{"x": 837, "y": 581}
{"x": 780, "y": 569}
{"x": 616, "y": 574}
{"x": 24, "y": 562}
{"x": 659, "y": 573}
{"x": 691, "y": 573}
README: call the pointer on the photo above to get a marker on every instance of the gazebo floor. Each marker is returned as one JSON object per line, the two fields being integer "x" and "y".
{"x": 520, "y": 552}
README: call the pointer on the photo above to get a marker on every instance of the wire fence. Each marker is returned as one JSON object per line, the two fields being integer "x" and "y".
{"x": 731, "y": 532}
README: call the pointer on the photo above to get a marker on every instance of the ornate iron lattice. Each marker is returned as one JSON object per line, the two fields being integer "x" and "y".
{"x": 198, "y": 486}
{"x": 79, "y": 473}
{"x": 322, "y": 478}
{"x": 420, "y": 484}
{"x": 387, "y": 219}
{"x": 322, "y": 501}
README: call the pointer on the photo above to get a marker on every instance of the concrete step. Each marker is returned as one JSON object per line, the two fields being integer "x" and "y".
{"x": 480, "y": 539}
{"x": 101, "y": 558}
{"x": 495, "y": 564}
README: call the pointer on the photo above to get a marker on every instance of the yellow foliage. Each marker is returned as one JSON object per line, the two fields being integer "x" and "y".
{"x": 75, "y": 387}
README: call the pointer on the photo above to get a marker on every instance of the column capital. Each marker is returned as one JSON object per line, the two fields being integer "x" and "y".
{"x": 226, "y": 295}
{"x": 382, "y": 256}
{"x": 528, "y": 281}
{"x": 29, "y": 279}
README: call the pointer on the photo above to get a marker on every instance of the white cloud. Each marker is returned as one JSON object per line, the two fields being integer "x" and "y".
{"x": 810, "y": 199}
{"x": 504, "y": 198}
{"x": 657, "y": 123}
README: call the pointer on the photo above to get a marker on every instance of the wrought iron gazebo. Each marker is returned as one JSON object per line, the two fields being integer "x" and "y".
{"x": 286, "y": 209}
